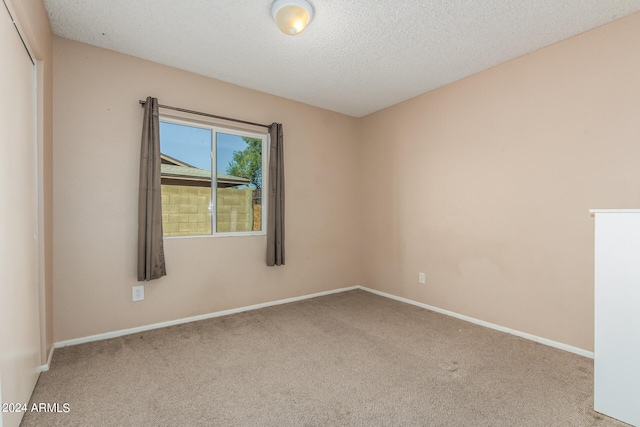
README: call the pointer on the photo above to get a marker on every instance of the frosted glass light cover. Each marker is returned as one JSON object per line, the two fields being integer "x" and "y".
{"x": 291, "y": 16}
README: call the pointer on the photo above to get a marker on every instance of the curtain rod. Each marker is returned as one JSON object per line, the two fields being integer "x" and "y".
{"x": 168, "y": 107}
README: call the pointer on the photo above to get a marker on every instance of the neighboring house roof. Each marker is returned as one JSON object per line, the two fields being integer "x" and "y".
{"x": 165, "y": 159}
{"x": 178, "y": 172}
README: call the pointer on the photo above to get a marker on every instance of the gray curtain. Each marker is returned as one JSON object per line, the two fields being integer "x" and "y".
{"x": 150, "y": 245}
{"x": 275, "y": 202}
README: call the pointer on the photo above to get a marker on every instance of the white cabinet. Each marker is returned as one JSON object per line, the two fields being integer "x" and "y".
{"x": 617, "y": 314}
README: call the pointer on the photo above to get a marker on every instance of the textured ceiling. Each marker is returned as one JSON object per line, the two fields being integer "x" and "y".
{"x": 356, "y": 57}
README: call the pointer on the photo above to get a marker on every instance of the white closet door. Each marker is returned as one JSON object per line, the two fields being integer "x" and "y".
{"x": 617, "y": 315}
{"x": 19, "y": 292}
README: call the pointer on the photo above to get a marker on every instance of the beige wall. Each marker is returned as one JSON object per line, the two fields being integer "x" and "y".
{"x": 485, "y": 184}
{"x": 97, "y": 131}
{"x": 25, "y": 267}
{"x": 33, "y": 23}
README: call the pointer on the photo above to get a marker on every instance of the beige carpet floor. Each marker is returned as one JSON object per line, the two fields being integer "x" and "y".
{"x": 348, "y": 359}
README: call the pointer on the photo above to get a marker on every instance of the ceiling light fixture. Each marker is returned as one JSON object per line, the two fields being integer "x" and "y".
{"x": 292, "y": 16}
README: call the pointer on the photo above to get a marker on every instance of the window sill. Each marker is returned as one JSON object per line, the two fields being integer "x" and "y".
{"x": 231, "y": 234}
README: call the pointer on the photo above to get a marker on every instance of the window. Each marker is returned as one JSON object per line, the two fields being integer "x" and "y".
{"x": 211, "y": 179}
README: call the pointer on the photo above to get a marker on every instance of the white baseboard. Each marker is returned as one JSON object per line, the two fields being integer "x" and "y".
{"x": 45, "y": 368}
{"x": 525, "y": 335}
{"x": 122, "y": 332}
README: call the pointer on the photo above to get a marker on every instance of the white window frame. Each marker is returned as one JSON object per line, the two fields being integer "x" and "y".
{"x": 217, "y": 128}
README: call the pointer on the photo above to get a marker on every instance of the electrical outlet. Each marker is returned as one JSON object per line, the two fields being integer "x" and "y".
{"x": 138, "y": 293}
{"x": 421, "y": 278}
